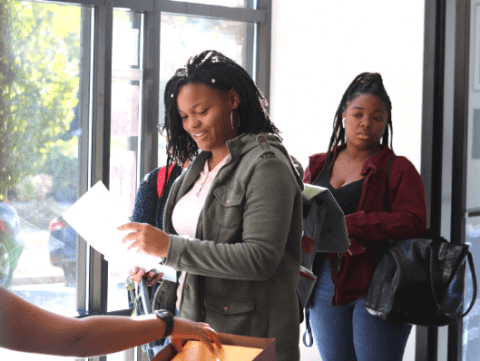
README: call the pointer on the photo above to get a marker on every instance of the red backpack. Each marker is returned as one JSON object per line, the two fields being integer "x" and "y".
{"x": 161, "y": 179}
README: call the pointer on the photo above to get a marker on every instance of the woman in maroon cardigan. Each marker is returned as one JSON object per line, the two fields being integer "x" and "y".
{"x": 354, "y": 169}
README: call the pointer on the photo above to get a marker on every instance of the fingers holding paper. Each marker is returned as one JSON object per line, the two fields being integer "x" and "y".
{"x": 146, "y": 238}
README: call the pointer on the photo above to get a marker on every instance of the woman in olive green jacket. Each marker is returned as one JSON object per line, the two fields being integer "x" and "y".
{"x": 233, "y": 220}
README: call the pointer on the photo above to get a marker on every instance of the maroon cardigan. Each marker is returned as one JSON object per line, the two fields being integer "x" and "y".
{"x": 371, "y": 223}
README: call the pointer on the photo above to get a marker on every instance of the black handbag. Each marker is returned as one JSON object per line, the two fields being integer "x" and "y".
{"x": 421, "y": 281}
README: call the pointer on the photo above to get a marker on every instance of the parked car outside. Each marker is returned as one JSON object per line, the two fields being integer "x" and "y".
{"x": 62, "y": 247}
{"x": 11, "y": 246}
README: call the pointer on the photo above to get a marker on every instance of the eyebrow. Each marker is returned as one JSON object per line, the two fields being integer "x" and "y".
{"x": 377, "y": 110}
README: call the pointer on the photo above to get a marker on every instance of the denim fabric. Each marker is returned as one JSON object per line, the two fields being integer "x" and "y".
{"x": 350, "y": 333}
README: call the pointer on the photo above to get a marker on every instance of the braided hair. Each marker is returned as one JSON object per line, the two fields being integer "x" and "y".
{"x": 219, "y": 72}
{"x": 363, "y": 84}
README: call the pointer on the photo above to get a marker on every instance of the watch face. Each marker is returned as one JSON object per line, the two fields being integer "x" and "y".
{"x": 164, "y": 313}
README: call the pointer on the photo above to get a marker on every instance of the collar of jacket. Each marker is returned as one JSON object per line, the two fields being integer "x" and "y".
{"x": 237, "y": 147}
{"x": 318, "y": 160}
{"x": 246, "y": 142}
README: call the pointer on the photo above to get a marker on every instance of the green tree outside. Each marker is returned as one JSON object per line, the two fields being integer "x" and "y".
{"x": 38, "y": 103}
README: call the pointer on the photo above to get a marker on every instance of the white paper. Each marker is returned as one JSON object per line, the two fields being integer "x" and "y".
{"x": 96, "y": 217}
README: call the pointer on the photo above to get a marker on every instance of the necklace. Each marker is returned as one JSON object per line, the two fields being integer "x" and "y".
{"x": 202, "y": 184}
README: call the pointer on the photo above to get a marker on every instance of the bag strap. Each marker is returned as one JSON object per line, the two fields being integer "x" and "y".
{"x": 162, "y": 174}
{"x": 308, "y": 336}
{"x": 147, "y": 307}
{"x": 474, "y": 280}
{"x": 387, "y": 190}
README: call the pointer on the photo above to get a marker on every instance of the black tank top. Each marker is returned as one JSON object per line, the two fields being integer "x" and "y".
{"x": 347, "y": 197}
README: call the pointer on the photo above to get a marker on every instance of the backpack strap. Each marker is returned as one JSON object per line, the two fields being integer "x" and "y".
{"x": 161, "y": 179}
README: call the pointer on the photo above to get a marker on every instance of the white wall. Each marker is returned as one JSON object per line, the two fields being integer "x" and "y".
{"x": 319, "y": 46}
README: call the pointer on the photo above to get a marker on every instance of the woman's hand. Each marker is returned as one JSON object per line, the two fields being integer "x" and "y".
{"x": 136, "y": 274}
{"x": 146, "y": 238}
{"x": 184, "y": 329}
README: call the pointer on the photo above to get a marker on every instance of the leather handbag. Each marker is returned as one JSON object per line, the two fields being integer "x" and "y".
{"x": 421, "y": 281}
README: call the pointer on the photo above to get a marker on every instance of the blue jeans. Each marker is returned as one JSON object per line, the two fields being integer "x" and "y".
{"x": 350, "y": 333}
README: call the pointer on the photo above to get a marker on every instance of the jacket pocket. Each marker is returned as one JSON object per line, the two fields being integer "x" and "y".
{"x": 228, "y": 207}
{"x": 229, "y": 315}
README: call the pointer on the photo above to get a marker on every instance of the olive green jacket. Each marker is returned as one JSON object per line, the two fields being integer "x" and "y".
{"x": 242, "y": 269}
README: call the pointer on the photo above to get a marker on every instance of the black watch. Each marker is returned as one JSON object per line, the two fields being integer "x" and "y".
{"x": 167, "y": 317}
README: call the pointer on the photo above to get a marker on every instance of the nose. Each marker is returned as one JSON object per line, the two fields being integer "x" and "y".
{"x": 191, "y": 123}
{"x": 367, "y": 122}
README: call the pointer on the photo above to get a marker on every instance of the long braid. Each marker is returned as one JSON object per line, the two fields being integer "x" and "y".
{"x": 364, "y": 83}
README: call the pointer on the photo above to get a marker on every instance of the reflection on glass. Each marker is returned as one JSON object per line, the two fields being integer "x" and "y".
{"x": 471, "y": 322}
{"x": 229, "y": 3}
{"x": 183, "y": 36}
{"x": 38, "y": 250}
{"x": 126, "y": 85}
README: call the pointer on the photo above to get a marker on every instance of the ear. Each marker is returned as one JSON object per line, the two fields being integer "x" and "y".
{"x": 233, "y": 98}
{"x": 343, "y": 115}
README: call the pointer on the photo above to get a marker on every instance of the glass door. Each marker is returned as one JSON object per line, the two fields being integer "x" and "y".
{"x": 41, "y": 155}
{"x": 471, "y": 323}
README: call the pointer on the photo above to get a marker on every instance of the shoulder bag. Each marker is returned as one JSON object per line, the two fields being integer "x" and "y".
{"x": 420, "y": 281}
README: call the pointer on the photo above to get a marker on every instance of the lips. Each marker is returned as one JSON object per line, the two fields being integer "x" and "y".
{"x": 198, "y": 135}
{"x": 364, "y": 135}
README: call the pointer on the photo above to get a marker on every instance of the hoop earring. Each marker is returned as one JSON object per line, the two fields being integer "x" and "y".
{"x": 231, "y": 120}
{"x": 343, "y": 122}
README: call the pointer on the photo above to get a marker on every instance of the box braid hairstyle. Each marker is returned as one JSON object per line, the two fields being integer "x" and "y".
{"x": 363, "y": 84}
{"x": 219, "y": 72}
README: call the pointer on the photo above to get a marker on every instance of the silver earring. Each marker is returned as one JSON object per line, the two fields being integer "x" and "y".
{"x": 343, "y": 122}
{"x": 231, "y": 120}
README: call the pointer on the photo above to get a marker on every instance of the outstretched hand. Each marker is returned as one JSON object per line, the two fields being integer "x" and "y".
{"x": 146, "y": 238}
{"x": 184, "y": 329}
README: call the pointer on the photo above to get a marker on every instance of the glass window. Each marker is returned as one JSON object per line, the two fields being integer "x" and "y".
{"x": 229, "y": 3}
{"x": 471, "y": 322}
{"x": 38, "y": 249}
{"x": 184, "y": 36}
{"x": 125, "y": 121}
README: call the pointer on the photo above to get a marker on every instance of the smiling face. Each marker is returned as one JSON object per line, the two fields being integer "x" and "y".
{"x": 205, "y": 114}
{"x": 365, "y": 122}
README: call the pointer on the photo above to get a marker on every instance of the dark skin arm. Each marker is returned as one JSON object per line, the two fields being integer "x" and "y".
{"x": 29, "y": 328}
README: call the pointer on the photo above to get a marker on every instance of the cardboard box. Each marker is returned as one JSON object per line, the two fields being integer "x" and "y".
{"x": 266, "y": 344}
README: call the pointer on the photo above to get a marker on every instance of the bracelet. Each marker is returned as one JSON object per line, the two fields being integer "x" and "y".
{"x": 167, "y": 317}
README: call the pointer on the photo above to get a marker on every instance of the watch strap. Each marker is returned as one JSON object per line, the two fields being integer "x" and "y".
{"x": 167, "y": 317}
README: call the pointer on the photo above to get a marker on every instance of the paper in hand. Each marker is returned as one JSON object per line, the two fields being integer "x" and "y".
{"x": 96, "y": 217}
